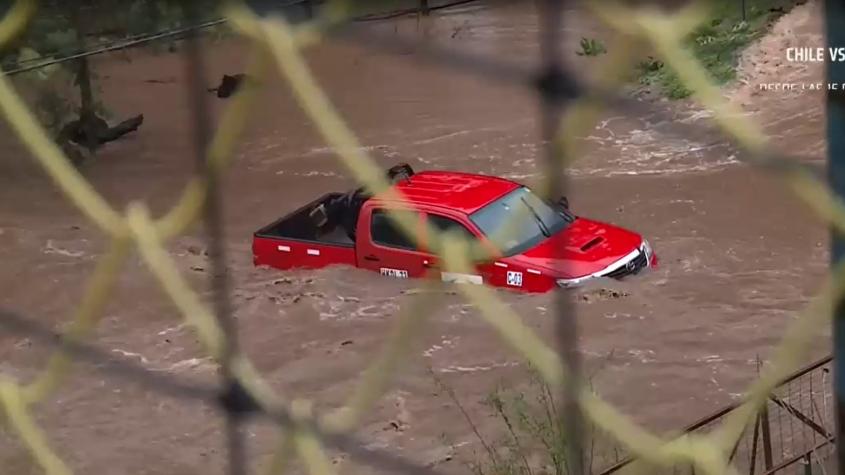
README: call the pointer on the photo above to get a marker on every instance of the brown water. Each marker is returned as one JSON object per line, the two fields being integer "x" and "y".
{"x": 739, "y": 255}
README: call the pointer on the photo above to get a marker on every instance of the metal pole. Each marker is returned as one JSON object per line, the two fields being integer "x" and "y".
{"x": 767, "y": 437}
{"x": 753, "y": 459}
{"x": 808, "y": 465}
{"x": 835, "y": 34}
{"x": 743, "y": 10}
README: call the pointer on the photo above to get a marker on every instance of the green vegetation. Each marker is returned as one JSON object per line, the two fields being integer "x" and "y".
{"x": 67, "y": 92}
{"x": 533, "y": 438}
{"x": 717, "y": 43}
{"x": 591, "y": 47}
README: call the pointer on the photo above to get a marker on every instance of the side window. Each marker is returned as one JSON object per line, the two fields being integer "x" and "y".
{"x": 444, "y": 224}
{"x": 386, "y": 233}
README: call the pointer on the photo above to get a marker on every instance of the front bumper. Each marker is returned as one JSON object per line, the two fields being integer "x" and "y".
{"x": 633, "y": 263}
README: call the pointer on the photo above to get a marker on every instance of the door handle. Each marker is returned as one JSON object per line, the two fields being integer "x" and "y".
{"x": 370, "y": 258}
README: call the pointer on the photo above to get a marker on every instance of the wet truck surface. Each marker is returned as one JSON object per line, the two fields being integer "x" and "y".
{"x": 546, "y": 247}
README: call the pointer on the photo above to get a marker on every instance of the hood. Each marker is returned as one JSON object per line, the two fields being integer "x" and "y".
{"x": 582, "y": 248}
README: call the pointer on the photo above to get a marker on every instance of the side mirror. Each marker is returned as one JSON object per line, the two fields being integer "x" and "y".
{"x": 563, "y": 202}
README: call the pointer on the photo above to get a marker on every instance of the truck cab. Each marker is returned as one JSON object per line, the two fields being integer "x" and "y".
{"x": 549, "y": 246}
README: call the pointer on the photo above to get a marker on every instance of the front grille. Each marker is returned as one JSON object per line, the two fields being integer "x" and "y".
{"x": 634, "y": 266}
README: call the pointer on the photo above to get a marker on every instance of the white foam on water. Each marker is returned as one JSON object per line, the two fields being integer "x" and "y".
{"x": 475, "y": 369}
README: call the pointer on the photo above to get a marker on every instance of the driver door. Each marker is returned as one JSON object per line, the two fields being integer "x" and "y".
{"x": 386, "y": 249}
{"x": 485, "y": 273}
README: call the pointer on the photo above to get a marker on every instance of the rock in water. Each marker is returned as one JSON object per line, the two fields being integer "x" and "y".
{"x": 121, "y": 129}
{"x": 74, "y": 152}
{"x": 229, "y": 85}
{"x": 75, "y": 131}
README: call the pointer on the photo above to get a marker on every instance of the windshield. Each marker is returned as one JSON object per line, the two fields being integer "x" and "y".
{"x": 533, "y": 221}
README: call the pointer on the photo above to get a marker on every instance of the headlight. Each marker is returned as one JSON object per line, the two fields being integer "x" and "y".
{"x": 646, "y": 247}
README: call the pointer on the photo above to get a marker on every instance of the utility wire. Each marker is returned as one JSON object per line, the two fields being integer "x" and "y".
{"x": 117, "y": 46}
{"x": 93, "y": 47}
{"x": 138, "y": 40}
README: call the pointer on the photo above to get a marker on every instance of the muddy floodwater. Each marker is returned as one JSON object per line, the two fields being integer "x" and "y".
{"x": 739, "y": 255}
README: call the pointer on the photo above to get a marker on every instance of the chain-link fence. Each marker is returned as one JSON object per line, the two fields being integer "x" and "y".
{"x": 568, "y": 108}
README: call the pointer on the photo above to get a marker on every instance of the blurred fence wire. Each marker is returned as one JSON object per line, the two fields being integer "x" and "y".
{"x": 568, "y": 108}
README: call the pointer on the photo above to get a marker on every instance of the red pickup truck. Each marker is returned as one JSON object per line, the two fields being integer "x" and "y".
{"x": 549, "y": 248}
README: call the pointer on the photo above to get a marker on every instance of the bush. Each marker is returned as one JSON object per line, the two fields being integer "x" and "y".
{"x": 533, "y": 440}
{"x": 591, "y": 47}
{"x": 717, "y": 43}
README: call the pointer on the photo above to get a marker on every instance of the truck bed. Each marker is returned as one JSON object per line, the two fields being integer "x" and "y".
{"x": 296, "y": 241}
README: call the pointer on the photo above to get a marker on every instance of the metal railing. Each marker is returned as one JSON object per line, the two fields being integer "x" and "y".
{"x": 795, "y": 428}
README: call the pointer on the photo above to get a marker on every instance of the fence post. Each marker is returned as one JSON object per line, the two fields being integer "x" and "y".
{"x": 835, "y": 34}
{"x": 766, "y": 433}
{"x": 424, "y": 8}
{"x": 753, "y": 459}
{"x": 767, "y": 436}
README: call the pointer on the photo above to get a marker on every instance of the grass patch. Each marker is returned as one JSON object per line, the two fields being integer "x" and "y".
{"x": 591, "y": 47}
{"x": 531, "y": 438}
{"x": 717, "y": 43}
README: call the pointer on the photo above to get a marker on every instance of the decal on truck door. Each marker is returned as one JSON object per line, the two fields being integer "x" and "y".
{"x": 515, "y": 279}
{"x": 402, "y": 274}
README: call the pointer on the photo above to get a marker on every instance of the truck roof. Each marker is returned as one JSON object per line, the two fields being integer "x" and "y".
{"x": 465, "y": 192}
